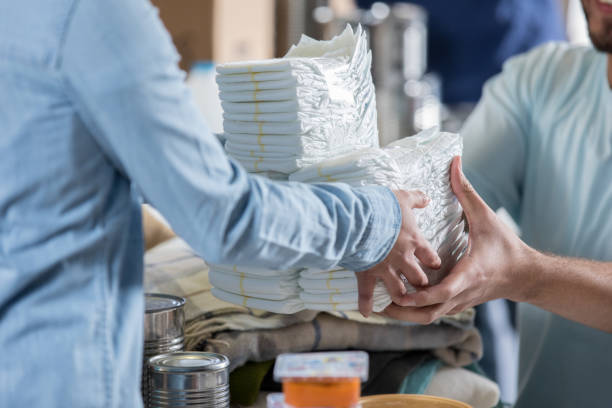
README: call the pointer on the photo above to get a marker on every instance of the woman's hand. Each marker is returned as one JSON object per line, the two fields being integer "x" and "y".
{"x": 409, "y": 247}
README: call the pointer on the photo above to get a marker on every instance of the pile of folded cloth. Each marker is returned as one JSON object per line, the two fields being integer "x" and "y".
{"x": 317, "y": 102}
{"x": 419, "y": 162}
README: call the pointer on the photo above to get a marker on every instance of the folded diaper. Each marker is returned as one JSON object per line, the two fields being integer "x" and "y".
{"x": 339, "y": 284}
{"x": 265, "y": 117}
{"x": 250, "y": 86}
{"x": 372, "y": 166}
{"x": 293, "y": 106}
{"x": 243, "y": 149}
{"x": 313, "y": 273}
{"x": 254, "y": 77}
{"x": 287, "y": 306}
{"x": 346, "y": 300}
{"x": 255, "y": 272}
{"x": 266, "y": 288}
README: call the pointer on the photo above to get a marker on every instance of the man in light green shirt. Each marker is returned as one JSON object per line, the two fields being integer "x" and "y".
{"x": 539, "y": 144}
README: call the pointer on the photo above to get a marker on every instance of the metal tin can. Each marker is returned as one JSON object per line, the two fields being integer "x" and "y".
{"x": 164, "y": 322}
{"x": 183, "y": 379}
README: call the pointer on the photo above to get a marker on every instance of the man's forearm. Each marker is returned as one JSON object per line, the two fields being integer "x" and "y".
{"x": 576, "y": 289}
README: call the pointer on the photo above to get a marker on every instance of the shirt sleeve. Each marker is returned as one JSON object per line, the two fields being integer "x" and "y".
{"x": 496, "y": 137}
{"x": 120, "y": 70}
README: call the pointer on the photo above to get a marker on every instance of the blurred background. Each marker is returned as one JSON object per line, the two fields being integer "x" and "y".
{"x": 430, "y": 59}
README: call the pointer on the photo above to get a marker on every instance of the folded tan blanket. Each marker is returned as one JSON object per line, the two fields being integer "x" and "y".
{"x": 454, "y": 346}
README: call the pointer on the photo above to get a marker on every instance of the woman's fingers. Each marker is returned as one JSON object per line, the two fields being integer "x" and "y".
{"x": 365, "y": 288}
{"x": 394, "y": 284}
{"x": 413, "y": 272}
{"x": 415, "y": 198}
{"x": 428, "y": 257}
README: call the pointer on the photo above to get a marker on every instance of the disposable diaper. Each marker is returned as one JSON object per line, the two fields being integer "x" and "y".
{"x": 287, "y": 306}
{"x": 345, "y": 300}
{"x": 255, "y": 272}
{"x": 267, "y": 288}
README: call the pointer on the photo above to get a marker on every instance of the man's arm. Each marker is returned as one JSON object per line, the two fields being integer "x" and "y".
{"x": 499, "y": 265}
{"x": 578, "y": 289}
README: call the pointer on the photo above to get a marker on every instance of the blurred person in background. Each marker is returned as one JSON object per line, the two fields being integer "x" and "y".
{"x": 468, "y": 42}
{"x": 539, "y": 144}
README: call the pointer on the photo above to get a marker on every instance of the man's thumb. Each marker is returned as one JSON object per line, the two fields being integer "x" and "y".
{"x": 468, "y": 197}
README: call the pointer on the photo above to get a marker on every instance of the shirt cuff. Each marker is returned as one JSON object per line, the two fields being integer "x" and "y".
{"x": 382, "y": 229}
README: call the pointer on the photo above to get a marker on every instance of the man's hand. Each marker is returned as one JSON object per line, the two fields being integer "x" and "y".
{"x": 487, "y": 270}
{"x": 402, "y": 259}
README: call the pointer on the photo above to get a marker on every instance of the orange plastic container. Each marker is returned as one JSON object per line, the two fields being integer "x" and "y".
{"x": 322, "y": 392}
{"x": 322, "y": 379}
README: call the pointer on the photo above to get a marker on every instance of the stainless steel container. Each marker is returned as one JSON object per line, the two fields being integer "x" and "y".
{"x": 411, "y": 26}
{"x": 193, "y": 379}
{"x": 164, "y": 322}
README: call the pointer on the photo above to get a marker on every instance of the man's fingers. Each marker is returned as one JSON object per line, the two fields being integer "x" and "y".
{"x": 459, "y": 308}
{"x": 471, "y": 202}
{"x": 413, "y": 272}
{"x": 365, "y": 288}
{"x": 428, "y": 257}
{"x": 448, "y": 289}
{"x": 422, "y": 315}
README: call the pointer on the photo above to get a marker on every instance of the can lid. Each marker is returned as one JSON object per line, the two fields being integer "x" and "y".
{"x": 159, "y": 302}
{"x": 343, "y": 364}
{"x": 188, "y": 361}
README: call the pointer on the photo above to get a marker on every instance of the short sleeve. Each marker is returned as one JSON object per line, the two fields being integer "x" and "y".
{"x": 496, "y": 135}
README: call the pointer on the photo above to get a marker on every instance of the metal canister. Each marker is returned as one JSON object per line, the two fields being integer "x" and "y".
{"x": 164, "y": 322}
{"x": 195, "y": 379}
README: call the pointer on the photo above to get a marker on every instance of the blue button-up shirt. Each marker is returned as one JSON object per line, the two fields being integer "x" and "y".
{"x": 92, "y": 109}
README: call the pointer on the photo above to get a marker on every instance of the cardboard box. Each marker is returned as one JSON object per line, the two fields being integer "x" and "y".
{"x": 219, "y": 30}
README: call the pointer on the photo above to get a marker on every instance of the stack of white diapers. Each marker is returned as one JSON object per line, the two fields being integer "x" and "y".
{"x": 420, "y": 162}
{"x": 317, "y": 102}
{"x": 336, "y": 289}
{"x": 311, "y": 117}
{"x": 291, "y": 291}
{"x": 257, "y": 288}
